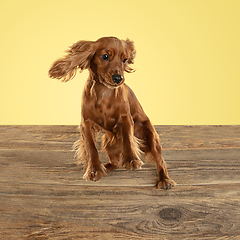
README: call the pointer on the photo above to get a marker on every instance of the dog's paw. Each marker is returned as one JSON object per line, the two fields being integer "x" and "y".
{"x": 166, "y": 184}
{"x": 93, "y": 174}
{"x": 110, "y": 167}
{"x": 134, "y": 164}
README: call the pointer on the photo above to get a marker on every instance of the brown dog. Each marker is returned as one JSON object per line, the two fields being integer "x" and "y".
{"x": 109, "y": 104}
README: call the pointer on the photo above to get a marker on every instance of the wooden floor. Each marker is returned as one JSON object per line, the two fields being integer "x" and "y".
{"x": 43, "y": 195}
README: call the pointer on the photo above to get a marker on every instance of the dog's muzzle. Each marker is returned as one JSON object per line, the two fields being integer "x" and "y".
{"x": 117, "y": 78}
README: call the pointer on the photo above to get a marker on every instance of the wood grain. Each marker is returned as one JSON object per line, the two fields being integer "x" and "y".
{"x": 43, "y": 196}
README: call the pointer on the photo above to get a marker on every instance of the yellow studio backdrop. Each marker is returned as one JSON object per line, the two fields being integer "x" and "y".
{"x": 187, "y": 64}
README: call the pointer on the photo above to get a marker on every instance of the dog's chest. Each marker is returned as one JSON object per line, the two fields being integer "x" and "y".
{"x": 107, "y": 109}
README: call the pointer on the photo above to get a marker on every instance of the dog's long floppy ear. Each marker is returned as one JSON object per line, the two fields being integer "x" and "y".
{"x": 78, "y": 57}
{"x": 131, "y": 55}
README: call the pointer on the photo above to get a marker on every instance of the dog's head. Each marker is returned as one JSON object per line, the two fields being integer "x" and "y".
{"x": 107, "y": 59}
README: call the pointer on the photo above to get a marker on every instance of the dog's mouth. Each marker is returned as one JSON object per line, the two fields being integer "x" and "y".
{"x": 108, "y": 84}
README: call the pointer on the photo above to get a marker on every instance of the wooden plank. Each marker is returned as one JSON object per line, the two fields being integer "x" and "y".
{"x": 43, "y": 195}
{"x": 172, "y": 137}
{"x": 208, "y": 166}
{"x": 65, "y": 212}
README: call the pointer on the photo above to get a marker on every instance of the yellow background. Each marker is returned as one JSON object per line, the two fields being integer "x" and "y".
{"x": 187, "y": 64}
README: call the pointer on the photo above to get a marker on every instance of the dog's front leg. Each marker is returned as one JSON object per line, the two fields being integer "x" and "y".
{"x": 131, "y": 151}
{"x": 94, "y": 168}
{"x": 153, "y": 148}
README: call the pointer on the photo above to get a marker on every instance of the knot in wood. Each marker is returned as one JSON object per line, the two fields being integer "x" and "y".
{"x": 170, "y": 214}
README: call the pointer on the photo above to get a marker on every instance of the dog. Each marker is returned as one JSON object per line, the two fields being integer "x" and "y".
{"x": 108, "y": 104}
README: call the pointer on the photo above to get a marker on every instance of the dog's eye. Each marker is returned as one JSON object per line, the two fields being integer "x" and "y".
{"x": 105, "y": 57}
{"x": 125, "y": 60}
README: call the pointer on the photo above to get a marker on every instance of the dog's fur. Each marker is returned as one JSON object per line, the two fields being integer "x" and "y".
{"x": 109, "y": 104}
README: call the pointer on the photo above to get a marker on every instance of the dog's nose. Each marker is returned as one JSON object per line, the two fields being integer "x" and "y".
{"x": 117, "y": 78}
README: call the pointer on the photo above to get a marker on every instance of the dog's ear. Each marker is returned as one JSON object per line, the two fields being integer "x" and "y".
{"x": 131, "y": 55}
{"x": 78, "y": 57}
